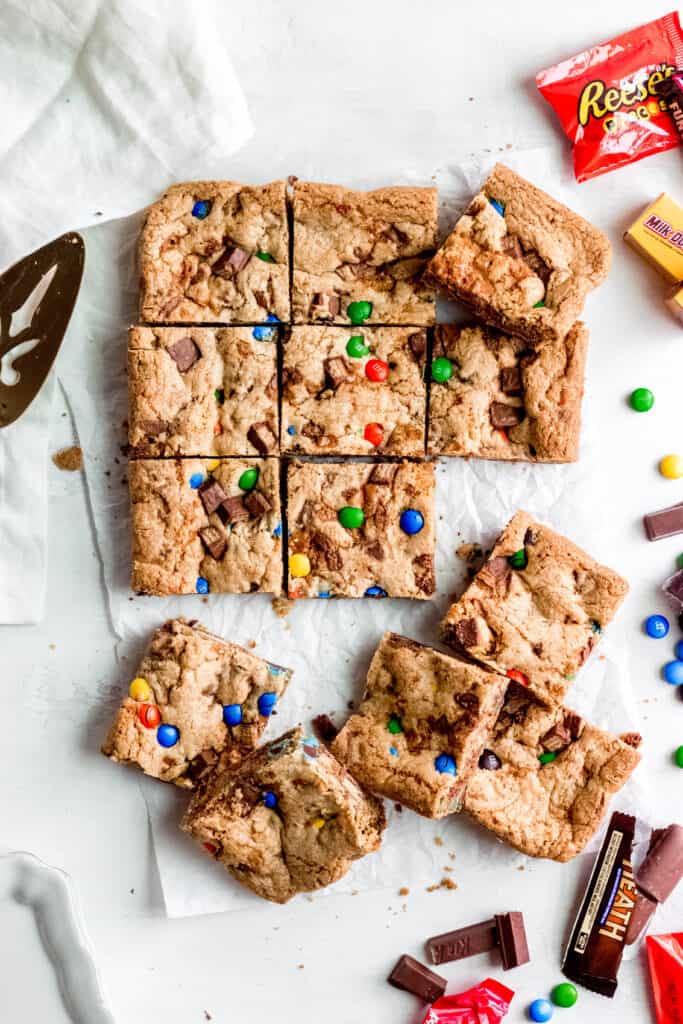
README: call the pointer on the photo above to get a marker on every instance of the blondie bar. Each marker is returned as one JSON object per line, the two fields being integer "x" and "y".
{"x": 201, "y": 391}
{"x": 535, "y": 610}
{"x": 197, "y": 704}
{"x": 545, "y": 780}
{"x": 216, "y": 252}
{"x": 494, "y": 398}
{"x": 359, "y": 256}
{"x": 522, "y": 261}
{"x": 360, "y": 529}
{"x": 290, "y": 819}
{"x": 354, "y": 391}
{"x": 421, "y": 727}
{"x": 206, "y": 525}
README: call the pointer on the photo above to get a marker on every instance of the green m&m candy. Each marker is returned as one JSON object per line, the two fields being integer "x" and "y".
{"x": 394, "y": 725}
{"x": 678, "y": 757}
{"x": 548, "y": 757}
{"x": 247, "y": 482}
{"x": 356, "y": 347}
{"x": 642, "y": 400}
{"x": 350, "y": 517}
{"x": 442, "y": 370}
{"x": 265, "y": 256}
{"x": 564, "y": 994}
{"x": 358, "y": 312}
{"x": 519, "y": 560}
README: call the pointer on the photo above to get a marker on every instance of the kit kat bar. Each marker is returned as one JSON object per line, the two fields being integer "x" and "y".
{"x": 463, "y": 942}
{"x": 665, "y": 523}
{"x": 412, "y": 976}
{"x": 514, "y": 949}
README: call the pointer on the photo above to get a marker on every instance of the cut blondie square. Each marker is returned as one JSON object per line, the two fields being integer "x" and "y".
{"x": 201, "y": 391}
{"x": 216, "y": 252}
{"x": 492, "y": 397}
{"x": 520, "y": 260}
{"x": 206, "y": 526}
{"x": 546, "y": 778}
{"x": 359, "y": 529}
{"x": 535, "y": 610}
{"x": 359, "y": 256}
{"x": 290, "y": 819}
{"x": 197, "y": 704}
{"x": 421, "y": 727}
{"x": 354, "y": 391}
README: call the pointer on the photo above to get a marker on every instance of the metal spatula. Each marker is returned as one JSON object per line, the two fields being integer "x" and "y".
{"x": 37, "y": 297}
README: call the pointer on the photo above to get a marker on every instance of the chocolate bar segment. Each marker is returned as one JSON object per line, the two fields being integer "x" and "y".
{"x": 665, "y": 523}
{"x": 662, "y": 869}
{"x": 511, "y": 934}
{"x": 463, "y": 942}
{"x": 412, "y": 976}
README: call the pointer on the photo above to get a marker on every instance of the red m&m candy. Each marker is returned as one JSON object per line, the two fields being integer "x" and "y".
{"x": 149, "y": 715}
{"x": 374, "y": 434}
{"x": 517, "y": 676}
{"x": 376, "y": 370}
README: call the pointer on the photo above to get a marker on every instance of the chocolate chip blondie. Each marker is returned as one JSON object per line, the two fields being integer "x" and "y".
{"x": 197, "y": 704}
{"x": 216, "y": 252}
{"x": 359, "y": 256}
{"x": 535, "y": 610}
{"x": 421, "y": 727}
{"x": 206, "y": 525}
{"x": 354, "y": 391}
{"x": 201, "y": 391}
{"x": 361, "y": 530}
{"x": 494, "y": 398}
{"x": 522, "y": 261}
{"x": 290, "y": 819}
{"x": 546, "y": 778}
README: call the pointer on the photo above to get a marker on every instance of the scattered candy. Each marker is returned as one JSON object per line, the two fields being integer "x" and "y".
{"x": 445, "y": 764}
{"x": 673, "y": 673}
{"x": 497, "y": 206}
{"x": 642, "y": 400}
{"x": 196, "y": 480}
{"x": 219, "y": 395}
{"x": 671, "y": 466}
{"x": 540, "y": 1010}
{"x": 232, "y": 714}
{"x": 266, "y": 333}
{"x": 539, "y": 305}
{"x": 149, "y": 715}
{"x": 201, "y": 209}
{"x": 442, "y": 370}
{"x": 548, "y": 757}
{"x": 411, "y": 521}
{"x": 376, "y": 370}
{"x": 167, "y": 735}
{"x": 265, "y": 256}
{"x": 266, "y": 703}
{"x": 350, "y": 517}
{"x": 299, "y": 565}
{"x": 357, "y": 312}
{"x": 564, "y": 994}
{"x": 248, "y": 479}
{"x": 519, "y": 560}
{"x": 356, "y": 347}
{"x": 210, "y": 848}
{"x": 277, "y": 532}
{"x": 270, "y": 800}
{"x": 596, "y": 627}
{"x": 202, "y": 585}
{"x": 375, "y": 592}
{"x": 678, "y": 757}
{"x": 679, "y": 561}
{"x": 519, "y": 677}
{"x": 394, "y": 725}
{"x": 140, "y": 689}
{"x": 656, "y": 626}
{"x": 374, "y": 434}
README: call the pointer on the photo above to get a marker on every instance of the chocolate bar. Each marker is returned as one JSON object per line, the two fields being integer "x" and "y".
{"x": 662, "y": 869}
{"x": 596, "y": 945}
{"x": 412, "y": 976}
{"x": 665, "y": 523}
{"x": 504, "y": 931}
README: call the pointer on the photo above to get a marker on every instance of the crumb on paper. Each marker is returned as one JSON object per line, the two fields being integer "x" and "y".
{"x": 300, "y": 967}
{"x": 52, "y": 647}
{"x": 251, "y": 645}
{"x": 207, "y": 1015}
{"x": 470, "y": 552}
{"x": 521, "y": 867}
{"x": 282, "y": 606}
{"x": 438, "y": 841}
{"x": 403, "y": 891}
{"x": 398, "y": 808}
{"x": 445, "y": 883}
{"x": 69, "y": 459}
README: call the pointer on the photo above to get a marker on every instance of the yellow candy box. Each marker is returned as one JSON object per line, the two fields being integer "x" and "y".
{"x": 658, "y": 236}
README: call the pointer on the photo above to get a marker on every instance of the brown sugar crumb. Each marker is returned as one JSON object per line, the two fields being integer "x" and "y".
{"x": 69, "y": 459}
{"x": 282, "y": 607}
{"x": 438, "y": 841}
{"x": 404, "y": 892}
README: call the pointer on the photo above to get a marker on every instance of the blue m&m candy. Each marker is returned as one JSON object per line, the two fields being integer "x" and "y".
{"x": 270, "y": 800}
{"x": 266, "y": 703}
{"x": 167, "y": 735}
{"x": 411, "y": 521}
{"x": 232, "y": 714}
{"x": 445, "y": 764}
{"x": 202, "y": 585}
{"x": 375, "y": 592}
{"x": 673, "y": 673}
{"x": 541, "y": 1010}
{"x": 497, "y": 206}
{"x": 291, "y": 431}
{"x": 266, "y": 333}
{"x": 679, "y": 650}
{"x": 656, "y": 626}
{"x": 201, "y": 209}
{"x": 196, "y": 480}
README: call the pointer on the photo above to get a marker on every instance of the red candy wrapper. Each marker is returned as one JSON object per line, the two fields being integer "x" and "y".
{"x": 607, "y": 97}
{"x": 665, "y": 957}
{"x": 485, "y": 1004}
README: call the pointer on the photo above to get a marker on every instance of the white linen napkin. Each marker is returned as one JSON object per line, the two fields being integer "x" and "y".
{"x": 104, "y": 103}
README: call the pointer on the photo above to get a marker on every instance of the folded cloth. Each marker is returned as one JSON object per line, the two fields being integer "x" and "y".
{"x": 104, "y": 103}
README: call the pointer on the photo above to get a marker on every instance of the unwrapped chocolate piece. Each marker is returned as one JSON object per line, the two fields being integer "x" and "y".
{"x": 665, "y": 523}
{"x": 662, "y": 869}
{"x": 505, "y": 931}
{"x": 412, "y": 976}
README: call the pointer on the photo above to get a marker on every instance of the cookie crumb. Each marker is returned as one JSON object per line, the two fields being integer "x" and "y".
{"x": 207, "y": 1015}
{"x": 403, "y": 891}
{"x": 52, "y": 647}
{"x": 251, "y": 645}
{"x": 445, "y": 883}
{"x": 438, "y": 841}
{"x": 69, "y": 459}
{"x": 282, "y": 606}
{"x": 300, "y": 967}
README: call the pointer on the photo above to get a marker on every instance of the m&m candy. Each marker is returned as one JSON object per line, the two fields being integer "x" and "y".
{"x": 411, "y": 521}
{"x": 196, "y": 480}
{"x": 497, "y": 206}
{"x": 374, "y": 434}
{"x": 671, "y": 466}
{"x": 140, "y": 689}
{"x": 263, "y": 333}
{"x": 540, "y": 1011}
{"x": 201, "y": 209}
{"x": 564, "y": 994}
{"x": 202, "y": 585}
{"x": 394, "y": 725}
{"x": 167, "y": 735}
{"x": 266, "y": 703}
{"x": 358, "y": 312}
{"x": 375, "y": 592}
{"x": 673, "y": 673}
{"x": 445, "y": 764}
{"x": 517, "y": 676}
{"x": 299, "y": 565}
{"x": 149, "y": 715}
{"x": 270, "y": 800}
{"x": 679, "y": 650}
{"x": 265, "y": 256}
{"x": 356, "y": 347}
{"x": 548, "y": 757}
{"x": 248, "y": 479}
{"x": 232, "y": 714}
{"x": 351, "y": 517}
{"x": 642, "y": 400}
{"x": 442, "y": 370}
{"x": 376, "y": 370}
{"x": 656, "y": 626}
{"x": 519, "y": 560}
{"x": 678, "y": 757}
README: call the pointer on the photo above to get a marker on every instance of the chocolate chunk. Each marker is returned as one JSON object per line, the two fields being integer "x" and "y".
{"x": 497, "y": 571}
{"x": 511, "y": 380}
{"x": 153, "y": 427}
{"x": 324, "y": 728}
{"x": 232, "y": 260}
{"x": 469, "y": 633}
{"x": 324, "y": 552}
{"x": 412, "y": 976}
{"x": 213, "y": 540}
{"x": 673, "y": 588}
{"x": 202, "y": 764}
{"x": 423, "y": 571}
{"x": 503, "y": 415}
{"x": 574, "y": 723}
{"x": 489, "y": 761}
{"x": 184, "y": 353}
{"x": 417, "y": 343}
{"x": 535, "y": 261}
{"x": 383, "y": 473}
{"x": 530, "y": 537}
{"x": 665, "y": 523}
{"x": 375, "y": 550}
{"x": 511, "y": 933}
{"x": 640, "y": 918}
{"x": 212, "y": 495}
{"x": 313, "y": 431}
{"x": 291, "y": 375}
{"x": 662, "y": 869}
{"x": 337, "y": 370}
{"x": 233, "y": 510}
{"x": 326, "y": 305}
{"x": 262, "y": 438}
{"x": 271, "y": 387}
{"x": 462, "y": 942}
{"x": 257, "y": 504}
{"x": 511, "y": 247}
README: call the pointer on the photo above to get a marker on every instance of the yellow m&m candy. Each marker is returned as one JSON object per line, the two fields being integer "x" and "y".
{"x": 299, "y": 565}
{"x": 213, "y": 464}
{"x": 140, "y": 689}
{"x": 319, "y": 823}
{"x": 671, "y": 467}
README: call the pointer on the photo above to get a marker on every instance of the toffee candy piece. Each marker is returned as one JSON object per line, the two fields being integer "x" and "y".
{"x": 412, "y": 976}
{"x": 505, "y": 931}
{"x": 664, "y": 523}
{"x": 662, "y": 869}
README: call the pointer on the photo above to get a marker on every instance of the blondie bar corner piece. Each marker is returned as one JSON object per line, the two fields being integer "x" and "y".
{"x": 520, "y": 260}
{"x": 196, "y": 704}
{"x": 290, "y": 819}
{"x": 535, "y": 610}
{"x": 359, "y": 256}
{"x": 422, "y": 725}
{"x": 546, "y": 779}
{"x": 206, "y": 526}
{"x": 493, "y": 398}
{"x": 216, "y": 252}
{"x": 359, "y": 529}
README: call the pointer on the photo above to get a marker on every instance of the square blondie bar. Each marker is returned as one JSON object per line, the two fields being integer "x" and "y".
{"x": 354, "y": 391}
{"x": 421, "y": 727}
{"x": 359, "y": 529}
{"x": 290, "y": 819}
{"x": 520, "y": 260}
{"x": 201, "y": 391}
{"x": 216, "y": 252}
{"x": 535, "y": 610}
{"x": 206, "y": 526}
{"x": 494, "y": 398}
{"x": 359, "y": 256}
{"x": 545, "y": 781}
{"x": 197, "y": 704}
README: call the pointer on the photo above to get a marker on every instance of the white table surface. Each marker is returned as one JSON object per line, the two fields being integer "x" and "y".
{"x": 330, "y": 87}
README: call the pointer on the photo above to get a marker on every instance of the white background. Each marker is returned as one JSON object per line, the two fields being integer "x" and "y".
{"x": 350, "y": 87}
